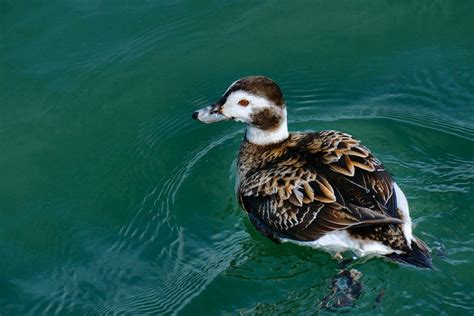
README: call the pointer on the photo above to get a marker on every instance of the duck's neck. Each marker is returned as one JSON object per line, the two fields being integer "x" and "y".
{"x": 259, "y": 136}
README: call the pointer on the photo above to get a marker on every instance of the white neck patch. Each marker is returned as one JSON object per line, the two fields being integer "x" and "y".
{"x": 258, "y": 136}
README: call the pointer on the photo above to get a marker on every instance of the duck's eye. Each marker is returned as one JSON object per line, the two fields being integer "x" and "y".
{"x": 243, "y": 102}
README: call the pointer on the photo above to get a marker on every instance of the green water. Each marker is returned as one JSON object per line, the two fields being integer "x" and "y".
{"x": 112, "y": 200}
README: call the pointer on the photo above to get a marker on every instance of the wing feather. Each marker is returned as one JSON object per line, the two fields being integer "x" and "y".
{"x": 320, "y": 183}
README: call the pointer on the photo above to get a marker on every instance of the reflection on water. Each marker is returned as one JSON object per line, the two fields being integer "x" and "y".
{"x": 115, "y": 201}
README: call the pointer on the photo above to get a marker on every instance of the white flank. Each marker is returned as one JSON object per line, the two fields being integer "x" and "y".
{"x": 339, "y": 241}
{"x": 402, "y": 205}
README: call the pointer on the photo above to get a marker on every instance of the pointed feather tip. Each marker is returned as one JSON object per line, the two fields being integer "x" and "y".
{"x": 419, "y": 256}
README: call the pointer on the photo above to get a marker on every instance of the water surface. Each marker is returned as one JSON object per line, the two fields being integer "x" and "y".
{"x": 112, "y": 200}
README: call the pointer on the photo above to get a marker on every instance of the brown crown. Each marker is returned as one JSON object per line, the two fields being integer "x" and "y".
{"x": 258, "y": 85}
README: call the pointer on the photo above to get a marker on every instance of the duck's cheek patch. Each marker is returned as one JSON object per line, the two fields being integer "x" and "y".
{"x": 266, "y": 119}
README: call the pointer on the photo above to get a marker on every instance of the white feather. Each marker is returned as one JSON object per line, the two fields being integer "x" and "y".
{"x": 231, "y": 107}
{"x": 255, "y": 135}
{"x": 340, "y": 240}
{"x": 262, "y": 137}
{"x": 402, "y": 205}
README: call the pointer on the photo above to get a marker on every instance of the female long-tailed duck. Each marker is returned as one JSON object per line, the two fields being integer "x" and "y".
{"x": 320, "y": 189}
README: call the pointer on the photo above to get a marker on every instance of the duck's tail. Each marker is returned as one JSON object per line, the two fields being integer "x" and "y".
{"x": 419, "y": 255}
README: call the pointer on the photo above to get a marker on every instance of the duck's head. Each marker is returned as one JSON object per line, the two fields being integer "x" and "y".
{"x": 258, "y": 102}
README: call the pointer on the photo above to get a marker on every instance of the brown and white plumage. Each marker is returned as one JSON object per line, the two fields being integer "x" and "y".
{"x": 324, "y": 189}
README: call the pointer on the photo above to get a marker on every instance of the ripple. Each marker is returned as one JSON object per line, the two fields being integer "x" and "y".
{"x": 440, "y": 100}
{"x": 147, "y": 40}
{"x": 113, "y": 268}
{"x": 156, "y": 266}
{"x": 187, "y": 278}
{"x": 157, "y": 131}
{"x": 368, "y": 110}
{"x": 166, "y": 196}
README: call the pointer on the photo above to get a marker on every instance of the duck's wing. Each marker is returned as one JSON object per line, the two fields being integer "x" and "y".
{"x": 324, "y": 182}
{"x": 359, "y": 176}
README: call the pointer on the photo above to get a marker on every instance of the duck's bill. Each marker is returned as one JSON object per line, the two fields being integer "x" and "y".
{"x": 210, "y": 114}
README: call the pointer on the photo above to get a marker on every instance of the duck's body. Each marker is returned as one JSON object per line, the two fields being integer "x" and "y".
{"x": 323, "y": 190}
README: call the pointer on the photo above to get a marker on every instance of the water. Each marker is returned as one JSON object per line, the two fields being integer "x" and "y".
{"x": 112, "y": 200}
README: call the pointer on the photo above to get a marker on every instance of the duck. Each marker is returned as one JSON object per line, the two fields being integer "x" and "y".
{"x": 324, "y": 190}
